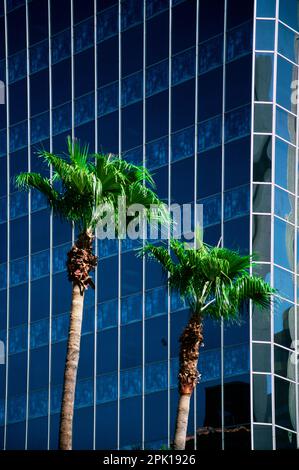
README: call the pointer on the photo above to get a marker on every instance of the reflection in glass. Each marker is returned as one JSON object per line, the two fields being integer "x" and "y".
{"x": 262, "y": 117}
{"x": 288, "y": 43}
{"x": 263, "y": 90}
{"x": 284, "y": 323}
{"x": 284, "y": 165}
{"x": 285, "y": 403}
{"x": 262, "y": 398}
{"x": 284, "y": 235}
{"x": 261, "y": 236}
{"x": 265, "y": 35}
{"x": 286, "y": 125}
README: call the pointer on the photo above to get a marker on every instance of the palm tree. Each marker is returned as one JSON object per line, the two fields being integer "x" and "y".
{"x": 214, "y": 282}
{"x": 80, "y": 184}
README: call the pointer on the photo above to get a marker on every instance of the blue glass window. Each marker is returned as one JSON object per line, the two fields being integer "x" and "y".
{"x": 3, "y": 209}
{"x": 16, "y": 409}
{"x": 18, "y": 305}
{"x": 61, "y": 46}
{"x": 18, "y": 340}
{"x": 182, "y": 144}
{"x": 38, "y": 21}
{"x": 39, "y": 367}
{"x": 183, "y": 110}
{"x": 233, "y": 150}
{"x": 106, "y": 388}
{"x": 16, "y": 29}
{"x": 263, "y": 77}
{"x": 285, "y": 76}
{"x": 261, "y": 235}
{"x": 209, "y": 133}
{"x": 210, "y": 96}
{"x": 84, "y": 109}
{"x": 209, "y": 163}
{"x": 107, "y": 23}
{"x": 40, "y": 289}
{"x": 183, "y": 66}
{"x": 130, "y": 382}
{"x": 108, "y": 55}
{"x": 60, "y": 15}
{"x": 17, "y": 66}
{"x": 18, "y": 204}
{"x": 183, "y": 26}
{"x": 157, "y": 116}
{"x": 132, "y": 40}
{"x": 108, "y": 99}
{"x": 131, "y": 308}
{"x": 236, "y": 360}
{"x": 84, "y": 82}
{"x": 238, "y": 71}
{"x": 283, "y": 244}
{"x": 210, "y": 54}
{"x": 237, "y": 123}
{"x": 265, "y": 8}
{"x": 132, "y": 13}
{"x": 3, "y": 275}
{"x": 157, "y": 78}
{"x": 83, "y": 35}
{"x": 284, "y": 283}
{"x": 156, "y": 339}
{"x": 132, "y": 89}
{"x": 156, "y": 377}
{"x": 155, "y": 6}
{"x": 132, "y": 117}
{"x": 19, "y": 238}
{"x": 131, "y": 345}
{"x": 39, "y": 56}
{"x": 40, "y": 127}
{"x": 239, "y": 41}
{"x": 157, "y": 35}
{"x": 40, "y": 264}
{"x": 236, "y": 202}
{"x": 157, "y": 152}
{"x": 62, "y": 118}
{"x": 18, "y": 101}
{"x": 38, "y": 403}
{"x": 38, "y": 433}
{"x": 211, "y": 210}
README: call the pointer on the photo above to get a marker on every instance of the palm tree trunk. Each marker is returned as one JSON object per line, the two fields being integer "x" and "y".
{"x": 81, "y": 261}
{"x": 71, "y": 367}
{"x": 191, "y": 340}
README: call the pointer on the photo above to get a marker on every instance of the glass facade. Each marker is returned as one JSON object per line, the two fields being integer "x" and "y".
{"x": 199, "y": 92}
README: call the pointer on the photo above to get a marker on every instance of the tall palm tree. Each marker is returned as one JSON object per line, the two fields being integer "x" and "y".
{"x": 80, "y": 184}
{"x": 214, "y": 282}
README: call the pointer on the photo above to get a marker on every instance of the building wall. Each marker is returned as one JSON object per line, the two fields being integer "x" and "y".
{"x": 146, "y": 80}
{"x": 274, "y": 223}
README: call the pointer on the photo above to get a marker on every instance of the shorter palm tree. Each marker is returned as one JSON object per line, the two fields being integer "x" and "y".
{"x": 214, "y": 282}
{"x": 81, "y": 185}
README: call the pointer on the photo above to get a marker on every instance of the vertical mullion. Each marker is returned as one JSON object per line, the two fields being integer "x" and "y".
{"x": 119, "y": 241}
{"x": 222, "y": 208}
{"x": 169, "y": 228}
{"x": 251, "y": 220}
{"x": 96, "y": 244}
{"x": 8, "y": 221}
{"x": 29, "y": 223}
{"x": 272, "y": 217}
{"x": 51, "y": 227}
{"x": 144, "y": 233}
{"x": 72, "y": 90}
{"x": 195, "y": 179}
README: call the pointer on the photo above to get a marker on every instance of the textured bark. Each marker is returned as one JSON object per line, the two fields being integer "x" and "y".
{"x": 71, "y": 367}
{"x": 80, "y": 262}
{"x": 191, "y": 340}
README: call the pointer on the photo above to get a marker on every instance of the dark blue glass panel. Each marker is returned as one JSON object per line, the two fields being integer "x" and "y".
{"x": 157, "y": 38}
{"x": 237, "y": 123}
{"x": 156, "y": 339}
{"x": 17, "y": 66}
{"x": 284, "y": 161}
{"x": 83, "y": 35}
{"x": 157, "y": 78}
{"x": 132, "y": 40}
{"x": 156, "y": 302}
{"x": 107, "y": 247}
{"x": 107, "y": 341}
{"x": 61, "y": 46}
{"x": 284, "y": 205}
{"x": 38, "y": 434}
{"x": 107, "y": 314}
{"x": 39, "y": 56}
{"x": 18, "y": 271}
{"x": 210, "y": 96}
{"x": 19, "y": 238}
{"x": 39, "y": 368}
{"x": 237, "y": 15}
{"x": 265, "y": 35}
{"x": 16, "y": 30}
{"x": 4, "y": 236}
{"x": 38, "y": 403}
{"x": 237, "y": 170}
{"x": 131, "y": 345}
{"x": 106, "y": 388}
{"x": 130, "y": 412}
{"x": 183, "y": 26}
{"x": 236, "y": 360}
{"x": 60, "y": 257}
{"x": 39, "y": 333}
{"x": 17, "y": 372}
{"x": 107, "y": 130}
{"x": 182, "y": 144}
{"x": 287, "y": 41}
{"x": 3, "y": 275}
{"x": 38, "y": 21}
{"x": 211, "y": 210}
{"x": 130, "y": 382}
{"x": 236, "y": 202}
{"x": 210, "y": 54}
{"x": 107, "y": 23}
{"x": 60, "y": 15}
{"x": 156, "y": 423}
{"x": 131, "y": 13}
{"x": 131, "y": 273}
{"x": 285, "y": 76}
{"x": 131, "y": 308}
{"x": 263, "y": 77}
{"x": 62, "y": 118}
{"x": 40, "y": 296}
{"x": 132, "y": 89}
{"x": 18, "y": 204}
{"x": 183, "y": 105}
{"x": 18, "y": 101}
{"x": 15, "y": 438}
{"x": 108, "y": 99}
{"x": 183, "y": 66}
{"x": 236, "y": 234}
{"x": 134, "y": 155}
{"x": 132, "y": 117}
{"x": 3, "y": 209}
{"x": 61, "y": 293}
{"x": 155, "y": 6}
{"x": 209, "y": 163}
{"x": 18, "y": 305}
{"x": 266, "y": 8}
{"x": 209, "y": 133}
{"x": 108, "y": 55}
{"x": 18, "y": 136}
{"x": 18, "y": 340}
{"x": 106, "y": 426}
{"x": 40, "y": 127}
{"x": 157, "y": 152}
{"x": 283, "y": 251}
{"x": 157, "y": 116}
{"x": 60, "y": 324}
{"x": 84, "y": 109}
{"x": 40, "y": 231}
{"x": 211, "y": 18}
{"x": 40, "y": 264}
{"x": 239, "y": 41}
{"x": 238, "y": 71}
{"x": 84, "y": 82}
{"x": 156, "y": 377}
{"x": 83, "y": 419}
{"x": 108, "y": 284}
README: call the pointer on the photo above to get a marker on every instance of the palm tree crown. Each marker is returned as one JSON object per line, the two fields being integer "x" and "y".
{"x": 214, "y": 281}
{"x": 81, "y": 183}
